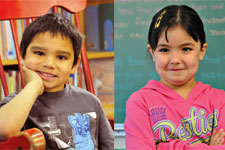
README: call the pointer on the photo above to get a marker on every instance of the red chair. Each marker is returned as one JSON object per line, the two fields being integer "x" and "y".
{"x": 17, "y": 9}
{"x": 28, "y": 139}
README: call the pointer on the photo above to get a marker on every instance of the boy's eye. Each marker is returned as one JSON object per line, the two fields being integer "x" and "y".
{"x": 163, "y": 50}
{"x": 61, "y": 57}
{"x": 186, "y": 49}
{"x": 39, "y": 53}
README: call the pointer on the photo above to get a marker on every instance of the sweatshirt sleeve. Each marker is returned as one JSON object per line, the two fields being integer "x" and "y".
{"x": 106, "y": 139}
{"x": 221, "y": 109}
{"x": 139, "y": 134}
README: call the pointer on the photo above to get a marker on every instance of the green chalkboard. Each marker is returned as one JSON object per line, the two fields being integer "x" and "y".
{"x": 134, "y": 66}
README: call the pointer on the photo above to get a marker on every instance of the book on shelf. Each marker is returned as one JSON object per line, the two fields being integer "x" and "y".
{"x": 99, "y": 25}
{"x": 13, "y": 82}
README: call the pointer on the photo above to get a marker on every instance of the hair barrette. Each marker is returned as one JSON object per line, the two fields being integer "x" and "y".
{"x": 159, "y": 19}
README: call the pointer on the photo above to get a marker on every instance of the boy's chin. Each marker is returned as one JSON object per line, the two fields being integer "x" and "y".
{"x": 54, "y": 89}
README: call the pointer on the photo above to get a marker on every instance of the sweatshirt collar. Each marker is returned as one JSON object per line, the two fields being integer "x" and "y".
{"x": 171, "y": 94}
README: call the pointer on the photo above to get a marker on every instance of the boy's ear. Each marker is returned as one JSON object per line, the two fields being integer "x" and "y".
{"x": 151, "y": 51}
{"x": 74, "y": 68}
{"x": 22, "y": 62}
{"x": 202, "y": 52}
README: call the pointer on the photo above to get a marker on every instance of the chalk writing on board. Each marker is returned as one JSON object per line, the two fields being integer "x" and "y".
{"x": 142, "y": 10}
{"x": 140, "y": 1}
{"x": 118, "y": 36}
{"x": 121, "y": 25}
{"x": 133, "y": 61}
{"x": 212, "y": 75}
{"x": 134, "y": 68}
{"x": 217, "y": 7}
{"x": 199, "y": 7}
{"x": 212, "y": 60}
{"x": 137, "y": 35}
{"x": 142, "y": 22}
{"x": 124, "y": 11}
{"x": 213, "y": 20}
{"x": 217, "y": 32}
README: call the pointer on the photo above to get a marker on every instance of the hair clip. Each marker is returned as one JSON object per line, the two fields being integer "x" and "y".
{"x": 159, "y": 19}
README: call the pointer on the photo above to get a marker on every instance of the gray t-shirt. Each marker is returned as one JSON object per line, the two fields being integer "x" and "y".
{"x": 72, "y": 117}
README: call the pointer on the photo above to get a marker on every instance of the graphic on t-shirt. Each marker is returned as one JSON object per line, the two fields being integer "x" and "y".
{"x": 158, "y": 113}
{"x": 197, "y": 127}
{"x": 81, "y": 131}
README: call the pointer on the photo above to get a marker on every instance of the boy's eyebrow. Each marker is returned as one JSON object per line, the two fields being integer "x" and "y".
{"x": 45, "y": 49}
{"x": 38, "y": 48}
{"x": 63, "y": 52}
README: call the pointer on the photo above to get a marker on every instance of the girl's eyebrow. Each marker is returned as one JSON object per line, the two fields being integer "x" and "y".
{"x": 167, "y": 45}
{"x": 162, "y": 45}
{"x": 187, "y": 44}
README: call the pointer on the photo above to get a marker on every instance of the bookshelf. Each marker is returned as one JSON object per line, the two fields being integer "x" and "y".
{"x": 96, "y": 55}
{"x": 97, "y": 2}
{"x": 101, "y": 61}
{"x": 9, "y": 62}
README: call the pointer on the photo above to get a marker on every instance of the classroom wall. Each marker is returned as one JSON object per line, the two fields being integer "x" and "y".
{"x": 133, "y": 64}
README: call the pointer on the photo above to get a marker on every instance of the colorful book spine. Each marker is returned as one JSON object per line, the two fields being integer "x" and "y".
{"x": 1, "y": 42}
{"x": 3, "y": 39}
{"x": 92, "y": 28}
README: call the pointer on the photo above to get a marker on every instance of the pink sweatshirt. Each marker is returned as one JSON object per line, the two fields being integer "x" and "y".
{"x": 157, "y": 114}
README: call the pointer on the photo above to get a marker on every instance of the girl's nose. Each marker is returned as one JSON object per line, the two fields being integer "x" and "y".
{"x": 175, "y": 57}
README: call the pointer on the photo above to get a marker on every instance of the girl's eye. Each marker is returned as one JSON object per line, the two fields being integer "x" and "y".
{"x": 39, "y": 53}
{"x": 163, "y": 50}
{"x": 186, "y": 49}
{"x": 61, "y": 57}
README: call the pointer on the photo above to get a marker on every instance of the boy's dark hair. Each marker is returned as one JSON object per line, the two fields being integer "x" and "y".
{"x": 54, "y": 23}
{"x": 176, "y": 15}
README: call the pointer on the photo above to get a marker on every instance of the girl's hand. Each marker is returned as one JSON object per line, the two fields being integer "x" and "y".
{"x": 32, "y": 77}
{"x": 217, "y": 138}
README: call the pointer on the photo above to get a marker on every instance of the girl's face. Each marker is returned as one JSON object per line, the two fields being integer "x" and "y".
{"x": 177, "y": 60}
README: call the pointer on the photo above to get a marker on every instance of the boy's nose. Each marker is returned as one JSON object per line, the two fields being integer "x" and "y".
{"x": 49, "y": 62}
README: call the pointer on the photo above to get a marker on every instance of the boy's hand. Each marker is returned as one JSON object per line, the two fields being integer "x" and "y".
{"x": 32, "y": 77}
{"x": 217, "y": 138}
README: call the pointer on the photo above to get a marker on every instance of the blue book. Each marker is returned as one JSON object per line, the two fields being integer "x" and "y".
{"x": 92, "y": 28}
{"x": 11, "y": 51}
{"x": 106, "y": 26}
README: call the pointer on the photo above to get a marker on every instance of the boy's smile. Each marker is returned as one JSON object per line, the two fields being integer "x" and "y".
{"x": 51, "y": 57}
{"x": 177, "y": 59}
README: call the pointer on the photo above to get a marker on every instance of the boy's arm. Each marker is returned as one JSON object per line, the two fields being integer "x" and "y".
{"x": 139, "y": 134}
{"x": 14, "y": 114}
{"x": 105, "y": 136}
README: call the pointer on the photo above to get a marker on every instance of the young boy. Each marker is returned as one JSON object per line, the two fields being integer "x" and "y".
{"x": 69, "y": 117}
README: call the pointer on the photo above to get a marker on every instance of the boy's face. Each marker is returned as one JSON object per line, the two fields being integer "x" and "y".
{"x": 51, "y": 58}
{"x": 177, "y": 60}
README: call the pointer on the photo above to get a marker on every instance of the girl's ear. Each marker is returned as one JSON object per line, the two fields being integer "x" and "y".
{"x": 151, "y": 51}
{"x": 202, "y": 52}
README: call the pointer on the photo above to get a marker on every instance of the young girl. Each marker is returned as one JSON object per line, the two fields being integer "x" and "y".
{"x": 176, "y": 112}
